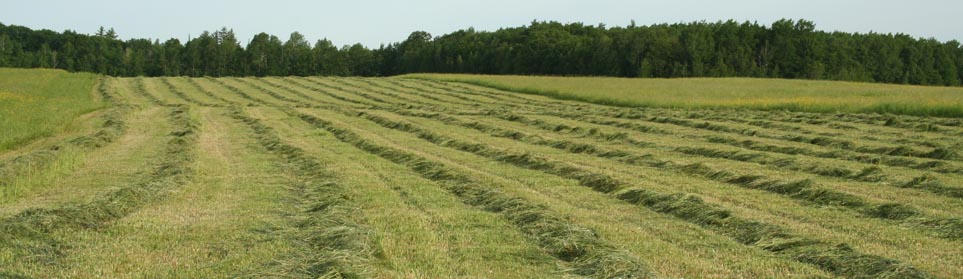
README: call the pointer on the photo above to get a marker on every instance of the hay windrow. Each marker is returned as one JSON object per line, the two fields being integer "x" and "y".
{"x": 28, "y": 232}
{"x": 585, "y": 252}
{"x": 805, "y": 190}
{"x": 272, "y": 93}
{"x": 239, "y": 92}
{"x": 193, "y": 83}
{"x": 336, "y": 242}
{"x": 180, "y": 94}
{"x": 141, "y": 88}
{"x": 844, "y": 262}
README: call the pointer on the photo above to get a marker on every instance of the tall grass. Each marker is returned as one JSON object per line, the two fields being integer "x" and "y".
{"x": 743, "y": 93}
{"x": 36, "y": 103}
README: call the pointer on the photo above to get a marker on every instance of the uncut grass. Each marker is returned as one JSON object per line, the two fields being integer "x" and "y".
{"x": 223, "y": 223}
{"x": 747, "y": 93}
{"x": 99, "y": 171}
{"x": 423, "y": 231}
{"x": 663, "y": 146}
{"x": 40, "y": 103}
{"x": 27, "y": 171}
{"x": 82, "y": 125}
{"x": 671, "y": 247}
{"x": 866, "y": 235}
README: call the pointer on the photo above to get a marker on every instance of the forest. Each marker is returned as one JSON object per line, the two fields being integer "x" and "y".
{"x": 787, "y": 48}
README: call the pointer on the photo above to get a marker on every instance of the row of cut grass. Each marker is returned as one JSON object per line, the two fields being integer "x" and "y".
{"x": 746, "y": 93}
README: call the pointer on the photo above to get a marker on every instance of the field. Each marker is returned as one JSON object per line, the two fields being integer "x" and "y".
{"x": 747, "y": 93}
{"x": 41, "y": 103}
{"x": 311, "y": 177}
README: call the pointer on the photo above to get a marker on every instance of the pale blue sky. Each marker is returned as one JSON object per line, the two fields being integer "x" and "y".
{"x": 374, "y": 22}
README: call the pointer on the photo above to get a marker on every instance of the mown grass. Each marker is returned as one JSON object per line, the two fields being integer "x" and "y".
{"x": 742, "y": 93}
{"x": 36, "y": 103}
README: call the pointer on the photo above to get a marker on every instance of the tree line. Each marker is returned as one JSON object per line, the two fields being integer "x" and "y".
{"x": 784, "y": 49}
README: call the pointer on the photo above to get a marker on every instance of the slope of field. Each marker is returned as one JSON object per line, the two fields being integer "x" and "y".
{"x": 294, "y": 177}
{"x": 40, "y": 103}
{"x": 749, "y": 93}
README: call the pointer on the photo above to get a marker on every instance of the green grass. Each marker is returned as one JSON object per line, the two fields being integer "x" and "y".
{"x": 405, "y": 178}
{"x": 36, "y": 103}
{"x": 743, "y": 93}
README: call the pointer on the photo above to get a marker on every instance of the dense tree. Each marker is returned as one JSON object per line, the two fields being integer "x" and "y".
{"x": 784, "y": 49}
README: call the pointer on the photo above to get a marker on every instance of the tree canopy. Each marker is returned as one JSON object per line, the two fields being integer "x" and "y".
{"x": 785, "y": 49}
